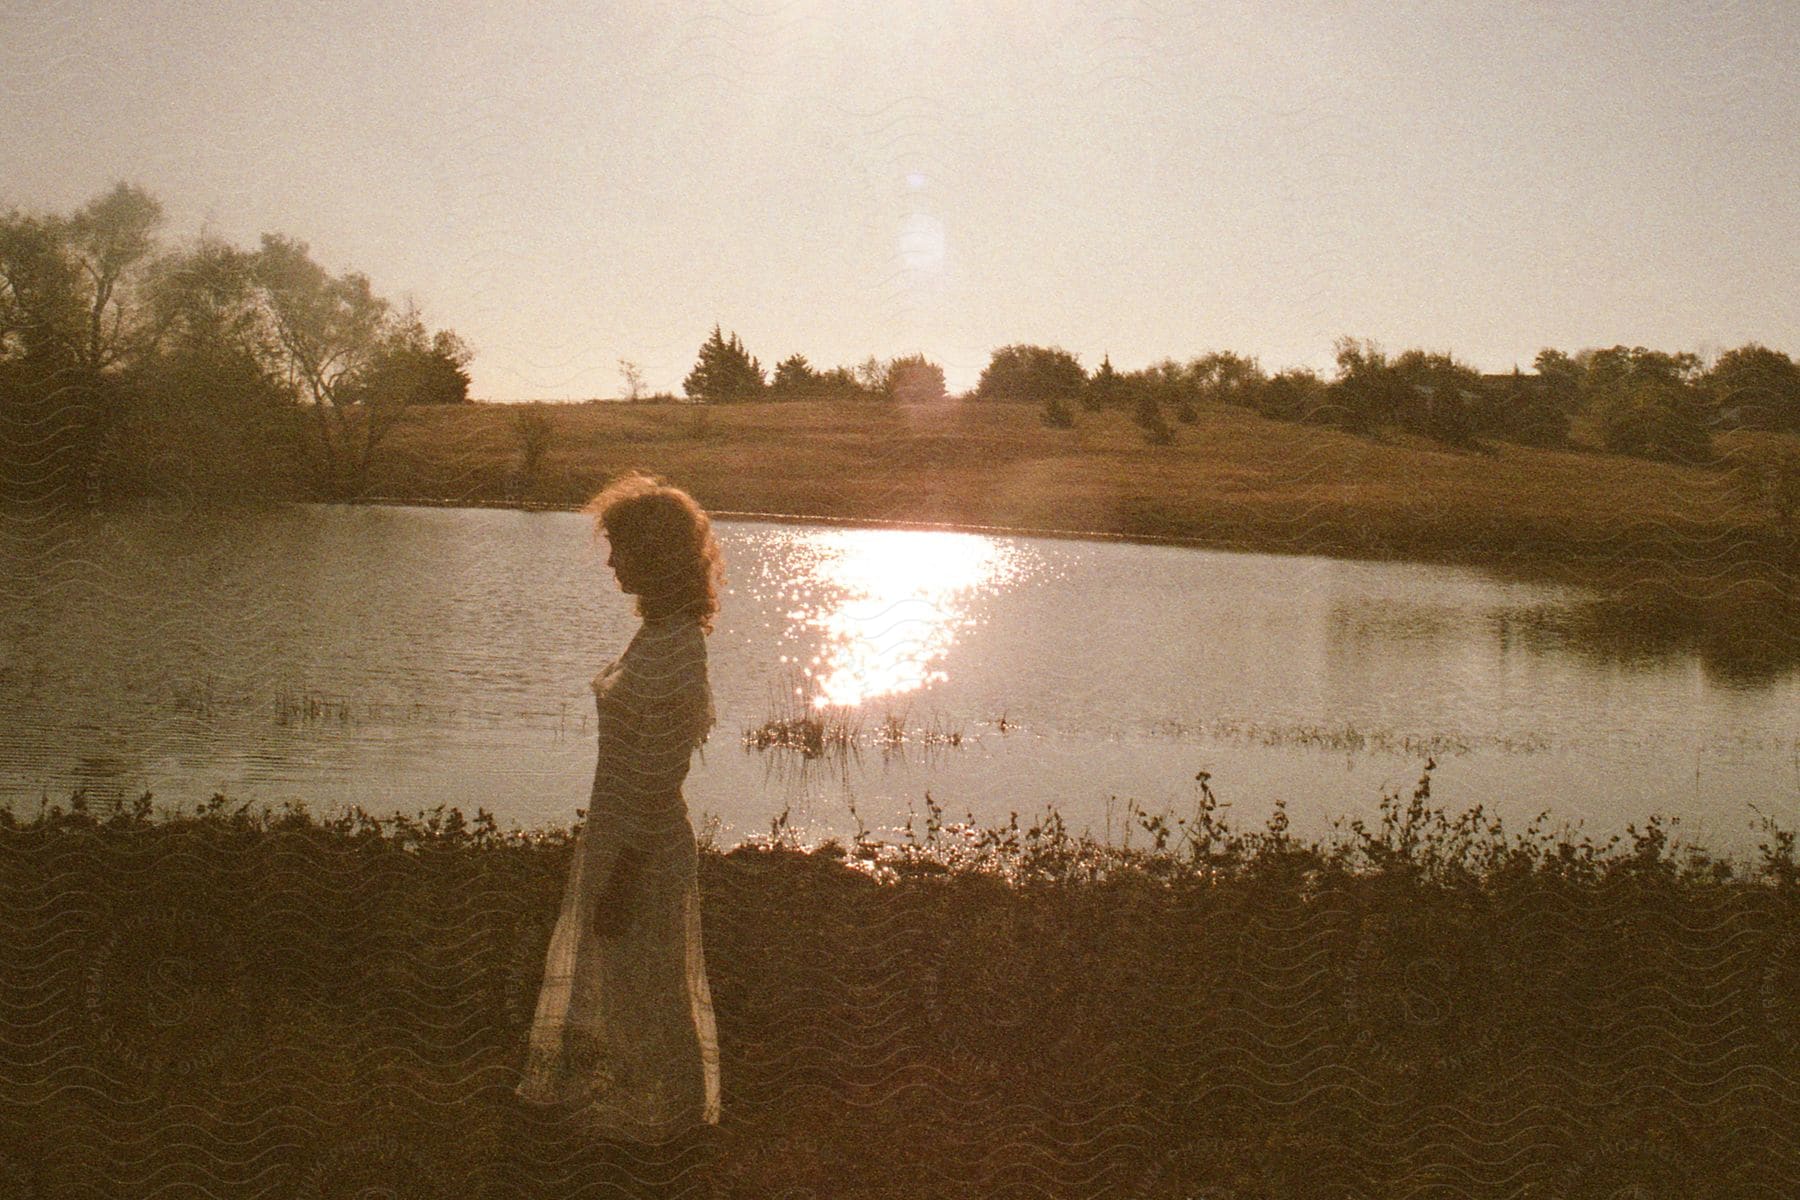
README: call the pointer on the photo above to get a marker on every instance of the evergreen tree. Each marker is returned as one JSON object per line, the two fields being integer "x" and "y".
{"x": 1148, "y": 415}
{"x": 1102, "y": 390}
{"x": 794, "y": 378}
{"x": 724, "y": 373}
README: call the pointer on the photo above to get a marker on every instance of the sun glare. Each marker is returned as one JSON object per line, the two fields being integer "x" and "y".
{"x": 922, "y": 243}
{"x": 889, "y": 604}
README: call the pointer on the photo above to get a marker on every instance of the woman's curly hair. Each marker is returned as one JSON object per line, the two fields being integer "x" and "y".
{"x": 662, "y": 528}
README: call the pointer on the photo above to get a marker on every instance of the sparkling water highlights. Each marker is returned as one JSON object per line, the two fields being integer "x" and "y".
{"x": 888, "y": 605}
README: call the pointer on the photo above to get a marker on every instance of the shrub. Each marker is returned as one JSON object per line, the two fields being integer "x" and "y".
{"x": 1031, "y": 373}
{"x": 1652, "y": 421}
{"x": 914, "y": 379}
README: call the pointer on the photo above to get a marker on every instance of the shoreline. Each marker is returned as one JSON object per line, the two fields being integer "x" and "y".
{"x": 1231, "y": 480}
{"x": 854, "y": 522}
{"x": 963, "y": 842}
{"x": 1567, "y": 569}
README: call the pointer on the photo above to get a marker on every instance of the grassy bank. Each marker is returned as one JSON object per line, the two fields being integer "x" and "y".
{"x": 1233, "y": 479}
{"x": 268, "y": 1004}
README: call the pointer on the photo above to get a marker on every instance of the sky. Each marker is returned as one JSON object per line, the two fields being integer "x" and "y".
{"x": 570, "y": 185}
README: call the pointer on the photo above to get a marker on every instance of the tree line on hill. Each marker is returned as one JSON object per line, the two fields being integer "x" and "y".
{"x": 725, "y": 373}
{"x": 129, "y": 366}
{"x": 1626, "y": 399}
{"x": 211, "y": 368}
{"x": 1623, "y": 399}
{"x": 1630, "y": 400}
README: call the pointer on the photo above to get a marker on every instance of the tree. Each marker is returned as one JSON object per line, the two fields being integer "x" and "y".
{"x": 794, "y": 379}
{"x": 41, "y": 312}
{"x": 842, "y": 383}
{"x": 1625, "y": 367}
{"x": 1166, "y": 383}
{"x": 1226, "y": 378}
{"x": 1295, "y": 394}
{"x": 1562, "y": 377}
{"x": 1644, "y": 402}
{"x": 1178, "y": 387}
{"x": 329, "y": 335}
{"x": 1436, "y": 395}
{"x": 914, "y": 379}
{"x": 871, "y": 376}
{"x": 207, "y": 413}
{"x": 109, "y": 236}
{"x": 1422, "y": 391}
{"x": 211, "y": 321}
{"x": 633, "y": 377}
{"x": 203, "y": 302}
{"x": 447, "y": 368}
{"x": 1038, "y": 373}
{"x": 412, "y": 367}
{"x": 1104, "y": 388}
{"x": 1651, "y": 420}
{"x": 69, "y": 325}
{"x": 1755, "y": 387}
{"x": 1147, "y": 414}
{"x": 724, "y": 373}
{"x": 206, "y": 368}
{"x": 1524, "y": 408}
{"x": 1366, "y": 392}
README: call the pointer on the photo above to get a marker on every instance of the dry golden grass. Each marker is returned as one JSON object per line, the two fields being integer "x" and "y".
{"x": 1232, "y": 479}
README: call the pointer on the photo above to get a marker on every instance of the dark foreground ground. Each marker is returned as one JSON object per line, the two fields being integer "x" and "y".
{"x": 268, "y": 1005}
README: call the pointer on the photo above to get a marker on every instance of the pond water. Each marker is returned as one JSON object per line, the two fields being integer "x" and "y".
{"x": 399, "y": 658}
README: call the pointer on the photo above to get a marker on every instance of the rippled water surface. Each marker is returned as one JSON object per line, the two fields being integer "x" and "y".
{"x": 405, "y": 657}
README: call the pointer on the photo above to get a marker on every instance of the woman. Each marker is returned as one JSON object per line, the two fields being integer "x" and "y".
{"x": 624, "y": 1032}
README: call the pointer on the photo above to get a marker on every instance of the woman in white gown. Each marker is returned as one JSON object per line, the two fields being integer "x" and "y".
{"x": 623, "y": 1037}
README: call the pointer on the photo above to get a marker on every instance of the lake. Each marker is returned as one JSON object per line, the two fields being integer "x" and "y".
{"x": 399, "y": 658}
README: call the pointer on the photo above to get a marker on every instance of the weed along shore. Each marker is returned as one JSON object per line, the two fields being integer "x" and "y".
{"x": 262, "y": 1002}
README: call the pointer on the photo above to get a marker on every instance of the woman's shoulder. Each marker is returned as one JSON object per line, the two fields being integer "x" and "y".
{"x": 668, "y": 635}
{"x": 665, "y": 649}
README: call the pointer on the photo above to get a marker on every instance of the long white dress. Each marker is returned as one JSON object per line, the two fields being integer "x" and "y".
{"x": 624, "y": 1033}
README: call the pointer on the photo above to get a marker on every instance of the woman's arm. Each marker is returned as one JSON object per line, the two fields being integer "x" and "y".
{"x": 651, "y": 718}
{"x": 613, "y": 905}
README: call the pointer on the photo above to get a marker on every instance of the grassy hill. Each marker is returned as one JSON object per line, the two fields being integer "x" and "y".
{"x": 1232, "y": 479}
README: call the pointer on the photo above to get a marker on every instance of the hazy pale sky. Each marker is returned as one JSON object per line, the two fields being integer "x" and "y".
{"x": 568, "y": 185}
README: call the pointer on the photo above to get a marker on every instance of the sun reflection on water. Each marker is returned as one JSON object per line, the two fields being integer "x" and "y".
{"x": 889, "y": 604}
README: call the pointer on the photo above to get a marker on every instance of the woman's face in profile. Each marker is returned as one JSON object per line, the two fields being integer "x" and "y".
{"x": 627, "y": 565}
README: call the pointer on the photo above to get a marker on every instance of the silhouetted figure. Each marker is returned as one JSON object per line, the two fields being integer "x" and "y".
{"x": 623, "y": 1040}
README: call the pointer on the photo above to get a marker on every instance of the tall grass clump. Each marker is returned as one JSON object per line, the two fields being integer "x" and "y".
{"x": 800, "y": 719}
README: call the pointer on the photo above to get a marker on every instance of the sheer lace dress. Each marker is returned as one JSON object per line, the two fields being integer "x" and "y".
{"x": 624, "y": 1034}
